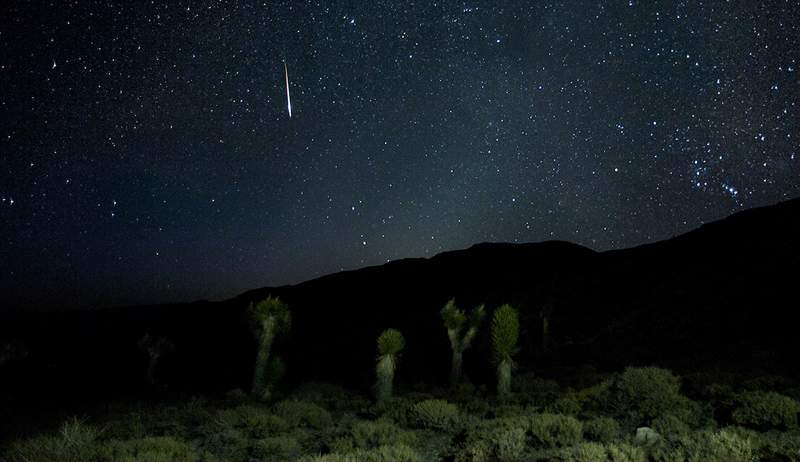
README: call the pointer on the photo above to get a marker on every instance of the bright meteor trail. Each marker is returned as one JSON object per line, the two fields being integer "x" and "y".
{"x": 288, "y": 98}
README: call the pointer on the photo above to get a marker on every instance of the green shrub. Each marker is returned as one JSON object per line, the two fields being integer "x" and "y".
{"x": 553, "y": 430}
{"x": 779, "y": 447}
{"x": 509, "y": 444}
{"x": 396, "y": 408}
{"x": 152, "y": 449}
{"x": 75, "y": 442}
{"x": 670, "y": 425}
{"x": 394, "y": 453}
{"x": 435, "y": 413}
{"x": 597, "y": 452}
{"x": 642, "y": 394}
{"x": 381, "y": 432}
{"x": 726, "y": 445}
{"x": 474, "y": 451}
{"x": 601, "y": 429}
{"x": 765, "y": 410}
{"x": 567, "y": 405}
{"x": 585, "y": 452}
{"x": 301, "y": 413}
{"x": 277, "y": 448}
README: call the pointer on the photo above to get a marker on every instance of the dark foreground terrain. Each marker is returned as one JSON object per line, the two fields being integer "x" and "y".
{"x": 717, "y": 306}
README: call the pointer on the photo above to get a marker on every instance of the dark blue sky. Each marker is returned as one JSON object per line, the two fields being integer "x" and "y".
{"x": 146, "y": 153}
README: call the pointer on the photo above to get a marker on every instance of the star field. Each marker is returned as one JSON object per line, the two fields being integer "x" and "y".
{"x": 146, "y": 154}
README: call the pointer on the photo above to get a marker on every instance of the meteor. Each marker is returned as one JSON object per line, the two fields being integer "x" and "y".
{"x": 288, "y": 98}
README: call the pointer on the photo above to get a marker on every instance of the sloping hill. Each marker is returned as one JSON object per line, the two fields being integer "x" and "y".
{"x": 724, "y": 294}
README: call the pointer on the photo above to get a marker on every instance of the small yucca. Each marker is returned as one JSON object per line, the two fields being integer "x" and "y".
{"x": 505, "y": 334}
{"x": 390, "y": 344}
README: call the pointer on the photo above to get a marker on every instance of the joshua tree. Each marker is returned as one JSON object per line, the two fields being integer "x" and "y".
{"x": 505, "y": 333}
{"x": 390, "y": 344}
{"x": 460, "y": 339}
{"x": 271, "y": 316}
{"x": 155, "y": 349}
{"x": 276, "y": 370}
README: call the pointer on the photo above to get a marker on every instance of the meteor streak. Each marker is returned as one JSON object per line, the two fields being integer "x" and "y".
{"x": 288, "y": 98}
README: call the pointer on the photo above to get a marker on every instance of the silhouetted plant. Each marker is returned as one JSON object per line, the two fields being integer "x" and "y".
{"x": 155, "y": 349}
{"x": 461, "y": 331}
{"x": 271, "y": 317}
{"x": 390, "y": 343}
{"x": 505, "y": 334}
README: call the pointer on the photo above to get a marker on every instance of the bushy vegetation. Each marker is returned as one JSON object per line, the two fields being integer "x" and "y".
{"x": 321, "y": 422}
{"x": 641, "y": 414}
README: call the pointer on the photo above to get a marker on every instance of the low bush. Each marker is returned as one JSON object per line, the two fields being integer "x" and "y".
{"x": 302, "y": 413}
{"x": 152, "y": 449}
{"x": 601, "y": 429}
{"x": 381, "y": 432}
{"x": 765, "y": 410}
{"x": 435, "y": 413}
{"x": 644, "y": 393}
{"x": 554, "y": 430}
{"x": 393, "y": 453}
{"x": 75, "y": 442}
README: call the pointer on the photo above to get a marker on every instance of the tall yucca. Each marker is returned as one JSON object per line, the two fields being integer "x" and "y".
{"x": 460, "y": 339}
{"x": 505, "y": 334}
{"x": 390, "y": 344}
{"x": 271, "y": 316}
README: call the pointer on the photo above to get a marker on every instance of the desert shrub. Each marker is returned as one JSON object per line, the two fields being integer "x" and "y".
{"x": 779, "y": 447}
{"x": 597, "y": 452}
{"x": 396, "y": 408}
{"x": 553, "y": 430}
{"x": 476, "y": 407}
{"x": 75, "y": 442}
{"x": 567, "y": 405}
{"x": 381, "y": 432}
{"x": 228, "y": 444}
{"x": 765, "y": 410}
{"x": 435, "y": 413}
{"x": 277, "y": 448}
{"x": 394, "y": 453}
{"x": 596, "y": 399}
{"x": 302, "y": 413}
{"x": 474, "y": 451}
{"x": 642, "y": 394}
{"x": 508, "y": 410}
{"x": 152, "y": 449}
{"x": 584, "y": 452}
{"x": 765, "y": 383}
{"x": 509, "y": 443}
{"x": 726, "y": 445}
{"x": 601, "y": 429}
{"x": 670, "y": 425}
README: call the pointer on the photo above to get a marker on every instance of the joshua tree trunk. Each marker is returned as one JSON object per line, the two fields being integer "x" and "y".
{"x": 385, "y": 373}
{"x": 455, "y": 368}
{"x": 151, "y": 369}
{"x": 503, "y": 379}
{"x": 262, "y": 357}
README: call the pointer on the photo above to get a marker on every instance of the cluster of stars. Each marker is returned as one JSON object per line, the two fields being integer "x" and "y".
{"x": 147, "y": 154}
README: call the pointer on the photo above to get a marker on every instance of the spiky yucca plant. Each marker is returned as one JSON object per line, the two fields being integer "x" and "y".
{"x": 390, "y": 344}
{"x": 271, "y": 316}
{"x": 505, "y": 334}
{"x": 455, "y": 322}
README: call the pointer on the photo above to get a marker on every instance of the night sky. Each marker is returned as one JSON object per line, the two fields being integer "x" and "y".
{"x": 147, "y": 154}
